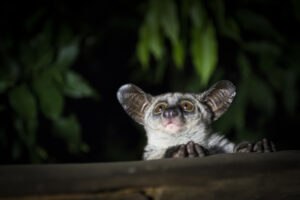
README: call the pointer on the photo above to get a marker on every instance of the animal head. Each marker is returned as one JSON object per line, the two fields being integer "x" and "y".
{"x": 173, "y": 113}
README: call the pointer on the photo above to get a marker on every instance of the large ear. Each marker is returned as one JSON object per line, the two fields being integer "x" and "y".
{"x": 134, "y": 101}
{"x": 218, "y": 97}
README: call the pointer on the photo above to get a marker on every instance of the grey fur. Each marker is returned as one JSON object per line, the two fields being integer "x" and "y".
{"x": 187, "y": 126}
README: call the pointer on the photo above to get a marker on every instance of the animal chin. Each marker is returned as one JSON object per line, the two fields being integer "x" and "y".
{"x": 172, "y": 126}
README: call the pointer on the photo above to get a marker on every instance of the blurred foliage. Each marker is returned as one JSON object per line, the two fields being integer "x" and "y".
{"x": 35, "y": 79}
{"x": 168, "y": 45}
{"x": 166, "y": 20}
{"x": 242, "y": 45}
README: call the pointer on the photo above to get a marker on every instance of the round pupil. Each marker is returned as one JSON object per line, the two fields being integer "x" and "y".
{"x": 159, "y": 108}
{"x": 187, "y": 106}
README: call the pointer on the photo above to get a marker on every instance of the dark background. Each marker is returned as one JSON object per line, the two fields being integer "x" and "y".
{"x": 261, "y": 57}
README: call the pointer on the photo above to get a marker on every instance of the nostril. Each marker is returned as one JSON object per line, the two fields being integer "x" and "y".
{"x": 170, "y": 113}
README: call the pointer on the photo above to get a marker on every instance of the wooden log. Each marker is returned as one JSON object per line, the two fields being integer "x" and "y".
{"x": 223, "y": 176}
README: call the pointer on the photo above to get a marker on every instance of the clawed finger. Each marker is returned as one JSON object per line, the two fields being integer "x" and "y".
{"x": 190, "y": 150}
{"x": 261, "y": 146}
{"x": 243, "y": 147}
{"x": 249, "y": 147}
{"x": 258, "y": 147}
{"x": 273, "y": 147}
{"x": 200, "y": 150}
{"x": 180, "y": 153}
{"x": 266, "y": 145}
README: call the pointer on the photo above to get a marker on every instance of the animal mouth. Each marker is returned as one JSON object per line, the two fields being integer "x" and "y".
{"x": 172, "y": 125}
{"x": 171, "y": 122}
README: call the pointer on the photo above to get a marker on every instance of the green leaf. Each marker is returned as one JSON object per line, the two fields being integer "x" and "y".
{"x": 178, "y": 54}
{"x": 26, "y": 129}
{"x": 161, "y": 20}
{"x": 232, "y": 30}
{"x": 67, "y": 54}
{"x": 50, "y": 97}
{"x": 227, "y": 26}
{"x": 156, "y": 45}
{"x": 77, "y": 87}
{"x": 204, "y": 51}
{"x": 170, "y": 26}
{"x": 155, "y": 37}
{"x": 42, "y": 49}
{"x": 197, "y": 14}
{"x": 37, "y": 52}
{"x": 23, "y": 102}
{"x": 68, "y": 129}
{"x": 143, "y": 51}
{"x": 169, "y": 20}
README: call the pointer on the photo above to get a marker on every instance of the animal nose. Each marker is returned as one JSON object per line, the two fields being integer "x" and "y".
{"x": 170, "y": 113}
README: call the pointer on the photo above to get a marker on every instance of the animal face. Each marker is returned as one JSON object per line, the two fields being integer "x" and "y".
{"x": 174, "y": 113}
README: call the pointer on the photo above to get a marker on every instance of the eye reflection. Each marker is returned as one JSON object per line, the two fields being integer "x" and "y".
{"x": 187, "y": 106}
{"x": 160, "y": 107}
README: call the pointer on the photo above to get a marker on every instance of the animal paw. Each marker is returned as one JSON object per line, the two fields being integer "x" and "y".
{"x": 189, "y": 150}
{"x": 261, "y": 146}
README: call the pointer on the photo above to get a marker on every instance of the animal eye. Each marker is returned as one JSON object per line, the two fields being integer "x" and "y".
{"x": 160, "y": 107}
{"x": 187, "y": 106}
